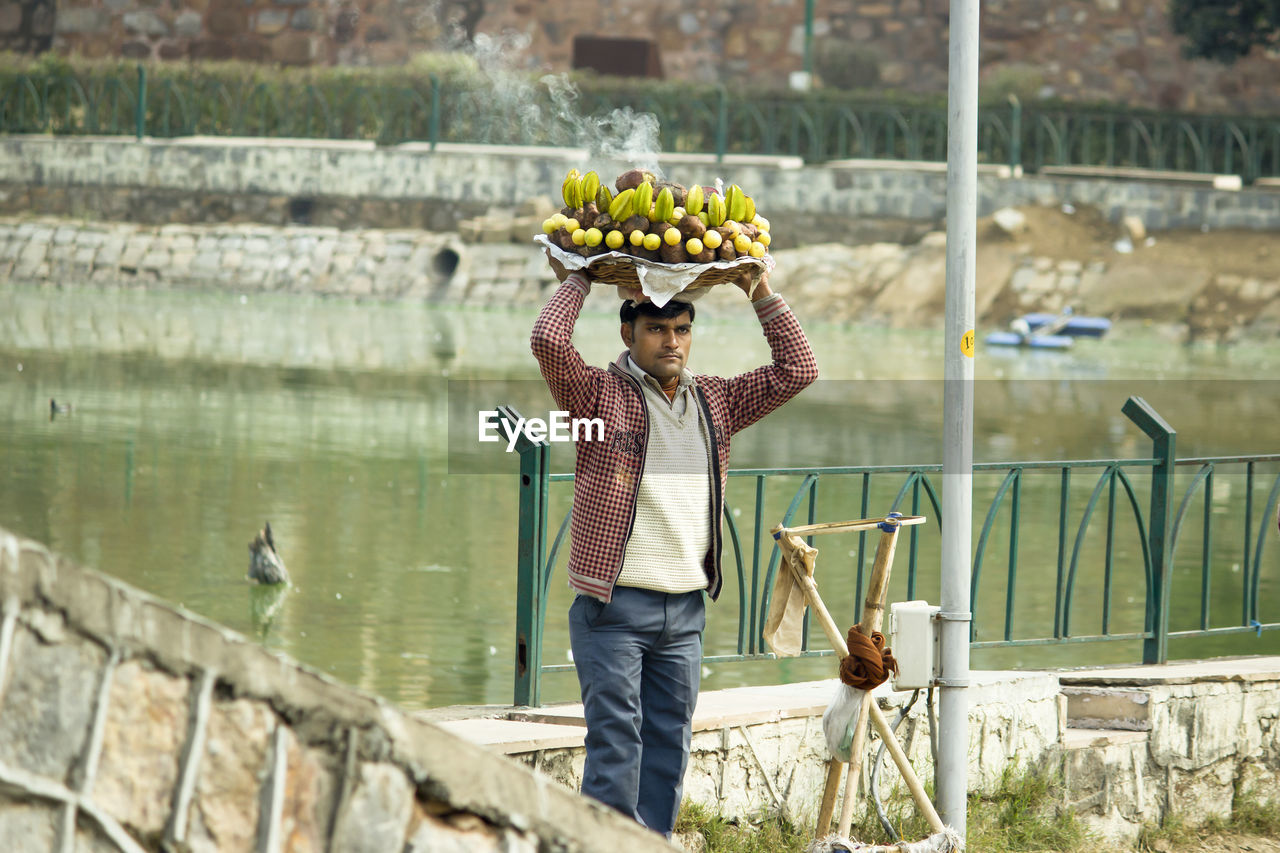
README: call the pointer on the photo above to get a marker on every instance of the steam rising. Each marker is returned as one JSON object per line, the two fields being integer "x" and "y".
{"x": 623, "y": 134}
{"x": 512, "y": 109}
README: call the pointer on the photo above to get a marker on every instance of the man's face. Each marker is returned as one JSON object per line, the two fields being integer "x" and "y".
{"x": 660, "y": 347}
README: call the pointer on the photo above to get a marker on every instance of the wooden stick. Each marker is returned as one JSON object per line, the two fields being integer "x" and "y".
{"x": 835, "y": 769}
{"x": 904, "y": 767}
{"x": 848, "y": 526}
{"x": 795, "y": 550}
{"x": 872, "y": 619}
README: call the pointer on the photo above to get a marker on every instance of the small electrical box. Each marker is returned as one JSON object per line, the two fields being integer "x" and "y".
{"x": 913, "y": 631}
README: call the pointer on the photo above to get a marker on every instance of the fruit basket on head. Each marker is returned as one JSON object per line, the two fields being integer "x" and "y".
{"x": 657, "y": 236}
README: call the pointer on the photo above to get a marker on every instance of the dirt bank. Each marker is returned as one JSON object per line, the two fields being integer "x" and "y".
{"x": 1216, "y": 285}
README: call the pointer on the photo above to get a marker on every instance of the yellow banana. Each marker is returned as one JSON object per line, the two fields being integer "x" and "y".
{"x": 589, "y": 184}
{"x": 693, "y": 200}
{"x": 665, "y": 205}
{"x": 643, "y": 199}
{"x": 620, "y": 209}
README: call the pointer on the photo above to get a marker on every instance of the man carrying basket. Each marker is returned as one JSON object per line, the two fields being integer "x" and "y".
{"x": 646, "y": 534}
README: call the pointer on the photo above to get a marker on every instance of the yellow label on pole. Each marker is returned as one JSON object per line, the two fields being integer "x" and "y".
{"x": 966, "y": 344}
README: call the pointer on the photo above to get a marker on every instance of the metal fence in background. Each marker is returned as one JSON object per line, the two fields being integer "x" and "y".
{"x": 817, "y": 129}
{"x": 1115, "y": 526}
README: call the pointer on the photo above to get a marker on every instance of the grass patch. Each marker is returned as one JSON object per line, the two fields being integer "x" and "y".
{"x": 1022, "y": 815}
{"x": 769, "y": 834}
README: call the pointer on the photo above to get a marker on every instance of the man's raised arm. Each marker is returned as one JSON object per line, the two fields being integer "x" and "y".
{"x": 562, "y": 366}
{"x": 757, "y": 393}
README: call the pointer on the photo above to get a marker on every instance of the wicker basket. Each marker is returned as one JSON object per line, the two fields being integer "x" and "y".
{"x": 623, "y": 273}
{"x": 617, "y": 269}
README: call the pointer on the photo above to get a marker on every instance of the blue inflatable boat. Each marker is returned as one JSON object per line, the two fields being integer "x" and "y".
{"x": 1049, "y": 331}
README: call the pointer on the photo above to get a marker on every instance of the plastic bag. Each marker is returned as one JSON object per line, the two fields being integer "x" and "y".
{"x": 841, "y": 720}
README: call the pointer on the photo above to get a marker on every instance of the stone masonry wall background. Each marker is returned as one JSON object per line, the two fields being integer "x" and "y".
{"x": 1085, "y": 50}
{"x": 127, "y": 725}
{"x": 417, "y": 183}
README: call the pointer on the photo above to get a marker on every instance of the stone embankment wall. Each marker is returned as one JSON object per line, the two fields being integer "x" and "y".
{"x": 746, "y": 762}
{"x": 355, "y": 184}
{"x": 1133, "y": 747}
{"x": 881, "y": 283}
{"x": 127, "y": 725}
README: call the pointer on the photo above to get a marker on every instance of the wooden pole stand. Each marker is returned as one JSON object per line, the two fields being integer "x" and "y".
{"x": 795, "y": 554}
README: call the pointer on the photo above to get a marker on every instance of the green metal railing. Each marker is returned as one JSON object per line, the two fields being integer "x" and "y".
{"x": 1140, "y": 489}
{"x": 816, "y": 128}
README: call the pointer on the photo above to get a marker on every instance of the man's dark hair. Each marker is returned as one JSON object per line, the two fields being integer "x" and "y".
{"x": 630, "y": 311}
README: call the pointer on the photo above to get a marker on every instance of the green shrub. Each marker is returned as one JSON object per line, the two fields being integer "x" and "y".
{"x": 449, "y": 97}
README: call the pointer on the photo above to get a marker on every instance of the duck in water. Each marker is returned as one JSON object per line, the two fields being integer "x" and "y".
{"x": 265, "y": 565}
{"x": 56, "y": 408}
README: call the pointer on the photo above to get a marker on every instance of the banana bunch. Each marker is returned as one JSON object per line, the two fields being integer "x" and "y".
{"x": 657, "y": 220}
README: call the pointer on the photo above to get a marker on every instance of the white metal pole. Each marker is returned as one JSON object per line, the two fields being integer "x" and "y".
{"x": 957, "y": 411}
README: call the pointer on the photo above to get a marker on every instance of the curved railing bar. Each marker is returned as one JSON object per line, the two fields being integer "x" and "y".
{"x": 313, "y": 101}
{"x": 17, "y": 107}
{"x": 1206, "y": 470}
{"x": 1045, "y": 126}
{"x": 1142, "y": 537}
{"x": 1107, "y": 474}
{"x": 743, "y": 604}
{"x": 1267, "y": 514}
{"x": 1138, "y": 128}
{"x": 744, "y": 116}
{"x": 1183, "y": 129}
{"x": 902, "y": 492}
{"x": 933, "y": 499}
{"x": 980, "y": 551}
{"x": 73, "y": 87}
{"x": 550, "y": 565}
{"x": 221, "y": 91}
{"x": 169, "y": 92}
{"x": 1233, "y": 130}
{"x": 848, "y": 118}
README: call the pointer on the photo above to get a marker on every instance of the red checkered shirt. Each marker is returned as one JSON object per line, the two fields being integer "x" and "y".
{"x": 607, "y": 473}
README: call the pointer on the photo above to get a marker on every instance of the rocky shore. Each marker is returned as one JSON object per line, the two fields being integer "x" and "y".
{"x": 1204, "y": 285}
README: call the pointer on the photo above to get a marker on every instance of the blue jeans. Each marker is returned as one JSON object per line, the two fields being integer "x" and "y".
{"x": 639, "y": 662}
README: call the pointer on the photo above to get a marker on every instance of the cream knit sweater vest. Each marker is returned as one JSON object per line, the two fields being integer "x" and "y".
{"x": 672, "y": 529}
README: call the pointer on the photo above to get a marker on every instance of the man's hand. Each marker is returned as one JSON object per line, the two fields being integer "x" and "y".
{"x": 558, "y": 268}
{"x": 635, "y": 294}
{"x": 762, "y": 287}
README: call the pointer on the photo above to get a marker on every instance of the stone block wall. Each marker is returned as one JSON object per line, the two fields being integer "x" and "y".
{"x": 26, "y": 26}
{"x": 1202, "y": 741}
{"x": 198, "y": 175}
{"x": 1087, "y": 50}
{"x": 780, "y": 765}
{"x": 127, "y": 725}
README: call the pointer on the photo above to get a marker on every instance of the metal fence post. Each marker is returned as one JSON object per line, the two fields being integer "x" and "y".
{"x": 140, "y": 108}
{"x": 433, "y": 125}
{"x": 1155, "y": 649}
{"x": 722, "y": 122}
{"x": 530, "y": 558}
{"x": 1015, "y": 136}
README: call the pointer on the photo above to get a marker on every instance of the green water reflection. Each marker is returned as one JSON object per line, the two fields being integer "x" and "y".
{"x": 197, "y": 417}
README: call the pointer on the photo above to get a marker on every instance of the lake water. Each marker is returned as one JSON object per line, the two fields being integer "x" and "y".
{"x": 196, "y": 417}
